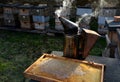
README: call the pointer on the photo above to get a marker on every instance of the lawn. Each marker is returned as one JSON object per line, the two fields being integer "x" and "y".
{"x": 19, "y": 50}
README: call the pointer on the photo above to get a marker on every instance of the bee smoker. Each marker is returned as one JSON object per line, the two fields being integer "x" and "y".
{"x": 70, "y": 46}
{"x": 78, "y": 41}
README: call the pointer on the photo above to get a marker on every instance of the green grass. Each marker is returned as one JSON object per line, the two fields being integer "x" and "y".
{"x": 19, "y": 50}
{"x": 98, "y": 47}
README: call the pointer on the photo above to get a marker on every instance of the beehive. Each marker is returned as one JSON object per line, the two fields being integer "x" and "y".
{"x": 41, "y": 9}
{"x": 51, "y": 68}
{"x": 108, "y": 12}
{"x": 112, "y": 26}
{"x": 40, "y": 16}
{"x": 26, "y": 25}
{"x": 39, "y": 26}
{"x": 25, "y": 9}
{"x": 11, "y": 8}
{"x": 117, "y": 18}
{"x": 11, "y": 15}
{"x": 25, "y": 16}
{"x": 9, "y": 22}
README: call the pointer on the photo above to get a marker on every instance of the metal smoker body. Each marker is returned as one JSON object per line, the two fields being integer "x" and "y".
{"x": 78, "y": 41}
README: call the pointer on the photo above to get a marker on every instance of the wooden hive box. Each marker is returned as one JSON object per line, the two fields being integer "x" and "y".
{"x": 112, "y": 26}
{"x": 113, "y": 36}
{"x": 9, "y": 22}
{"x": 108, "y": 12}
{"x": 51, "y": 68}
{"x": 39, "y": 26}
{"x": 11, "y": 8}
{"x": 42, "y": 10}
{"x": 25, "y": 18}
{"x": 9, "y": 16}
{"x": 25, "y": 9}
{"x": 26, "y": 25}
{"x": 40, "y": 19}
{"x": 41, "y": 22}
{"x": 117, "y": 18}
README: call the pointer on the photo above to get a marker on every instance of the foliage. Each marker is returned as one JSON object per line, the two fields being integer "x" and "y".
{"x": 94, "y": 24}
{"x": 99, "y": 47}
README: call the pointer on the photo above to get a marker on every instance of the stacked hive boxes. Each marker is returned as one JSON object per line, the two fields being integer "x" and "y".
{"x": 11, "y": 15}
{"x": 40, "y": 16}
{"x": 1, "y": 14}
{"x": 25, "y": 16}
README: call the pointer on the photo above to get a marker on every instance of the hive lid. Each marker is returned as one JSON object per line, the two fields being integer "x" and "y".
{"x": 112, "y": 25}
{"x": 12, "y": 5}
{"x": 40, "y": 7}
{"x": 60, "y": 69}
{"x": 26, "y": 6}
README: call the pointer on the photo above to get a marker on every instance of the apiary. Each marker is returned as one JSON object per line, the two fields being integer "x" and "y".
{"x": 51, "y": 68}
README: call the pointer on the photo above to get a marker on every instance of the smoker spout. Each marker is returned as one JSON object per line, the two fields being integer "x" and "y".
{"x": 69, "y": 26}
